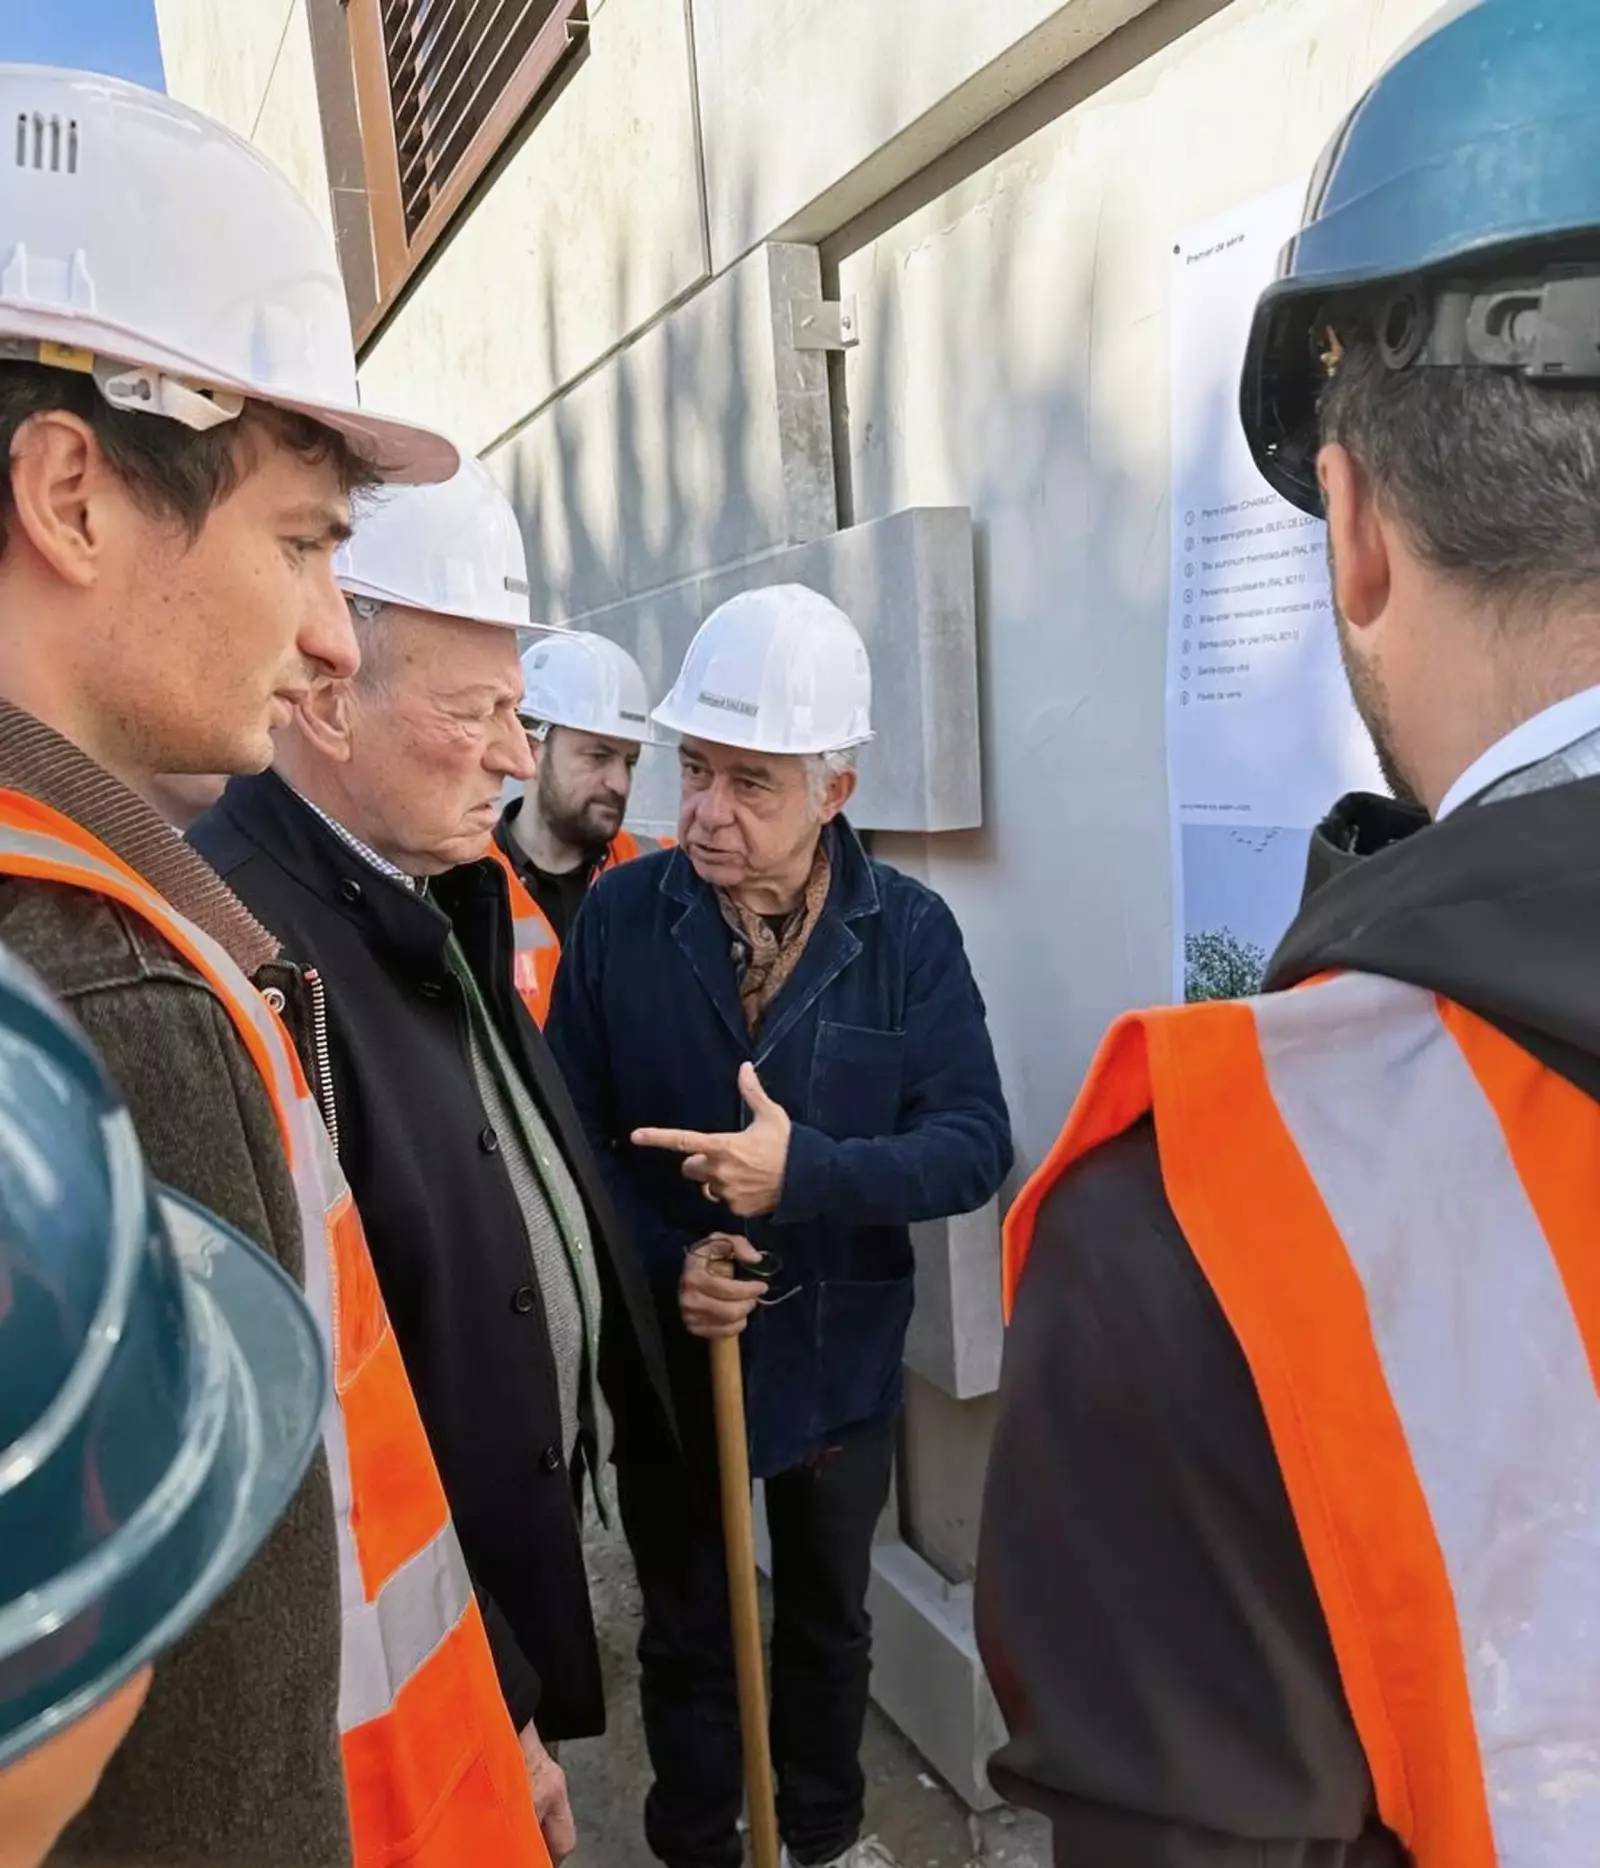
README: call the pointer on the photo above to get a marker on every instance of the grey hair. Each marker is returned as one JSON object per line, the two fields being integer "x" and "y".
{"x": 373, "y": 625}
{"x": 821, "y": 768}
{"x": 1496, "y": 479}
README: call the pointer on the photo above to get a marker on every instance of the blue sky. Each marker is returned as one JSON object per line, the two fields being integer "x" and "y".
{"x": 118, "y": 36}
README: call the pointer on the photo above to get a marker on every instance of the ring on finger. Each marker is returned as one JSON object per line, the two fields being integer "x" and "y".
{"x": 709, "y": 1192}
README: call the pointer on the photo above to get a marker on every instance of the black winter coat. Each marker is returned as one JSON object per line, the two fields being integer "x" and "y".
{"x": 447, "y": 1236}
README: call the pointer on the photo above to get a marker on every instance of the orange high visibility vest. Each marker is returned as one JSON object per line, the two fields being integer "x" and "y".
{"x": 537, "y": 950}
{"x": 434, "y": 1774}
{"x": 1399, "y": 1212}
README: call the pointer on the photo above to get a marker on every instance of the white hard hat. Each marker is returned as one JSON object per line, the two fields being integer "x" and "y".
{"x": 147, "y": 246}
{"x": 778, "y": 670}
{"x": 454, "y": 549}
{"x": 588, "y": 682}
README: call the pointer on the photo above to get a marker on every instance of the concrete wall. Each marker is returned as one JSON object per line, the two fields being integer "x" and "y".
{"x": 998, "y": 187}
{"x": 591, "y": 228}
{"x": 249, "y": 63}
{"x": 812, "y": 109}
{"x": 705, "y": 440}
{"x": 1014, "y": 358}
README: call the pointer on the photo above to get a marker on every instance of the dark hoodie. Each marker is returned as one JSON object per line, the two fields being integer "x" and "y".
{"x": 1144, "y": 1607}
{"x": 1359, "y": 825}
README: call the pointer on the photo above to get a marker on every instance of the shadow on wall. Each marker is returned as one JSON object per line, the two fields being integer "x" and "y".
{"x": 647, "y": 472}
{"x": 989, "y": 376}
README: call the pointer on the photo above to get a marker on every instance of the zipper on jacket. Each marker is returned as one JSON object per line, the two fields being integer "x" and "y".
{"x": 319, "y": 1046}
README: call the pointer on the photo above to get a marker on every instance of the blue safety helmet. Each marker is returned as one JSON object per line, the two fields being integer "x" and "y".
{"x": 1455, "y": 215}
{"x": 161, "y": 1386}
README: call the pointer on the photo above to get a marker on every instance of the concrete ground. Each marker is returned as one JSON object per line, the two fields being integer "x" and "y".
{"x": 917, "y": 1818}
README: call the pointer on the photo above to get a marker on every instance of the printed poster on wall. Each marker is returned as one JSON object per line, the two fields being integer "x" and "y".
{"x": 1262, "y": 736}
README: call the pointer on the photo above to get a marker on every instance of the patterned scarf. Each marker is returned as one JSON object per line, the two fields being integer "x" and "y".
{"x": 766, "y": 956}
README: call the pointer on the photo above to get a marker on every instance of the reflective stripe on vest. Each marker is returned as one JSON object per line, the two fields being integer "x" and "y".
{"x": 536, "y": 949}
{"x": 1396, "y": 1207}
{"x": 433, "y": 1769}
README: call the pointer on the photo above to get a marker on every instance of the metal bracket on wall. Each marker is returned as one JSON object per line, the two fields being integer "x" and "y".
{"x": 824, "y": 324}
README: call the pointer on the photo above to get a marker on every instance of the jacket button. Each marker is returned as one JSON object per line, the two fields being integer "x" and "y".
{"x": 350, "y": 889}
{"x": 431, "y": 988}
{"x": 523, "y": 1299}
{"x": 550, "y": 1460}
{"x": 488, "y": 1141}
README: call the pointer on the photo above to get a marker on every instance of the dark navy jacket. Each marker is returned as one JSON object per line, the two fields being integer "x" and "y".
{"x": 878, "y": 1050}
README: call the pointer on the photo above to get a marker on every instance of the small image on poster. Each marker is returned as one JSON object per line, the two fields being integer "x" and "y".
{"x": 1262, "y": 736}
{"x": 1241, "y": 885}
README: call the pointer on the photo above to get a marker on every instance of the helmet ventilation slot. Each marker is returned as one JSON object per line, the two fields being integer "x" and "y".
{"x": 47, "y": 142}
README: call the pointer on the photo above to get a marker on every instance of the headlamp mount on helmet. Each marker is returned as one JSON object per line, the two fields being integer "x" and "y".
{"x": 1544, "y": 326}
{"x": 1453, "y": 220}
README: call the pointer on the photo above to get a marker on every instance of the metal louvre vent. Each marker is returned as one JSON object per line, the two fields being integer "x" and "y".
{"x": 47, "y": 142}
{"x": 449, "y": 62}
{"x": 441, "y": 88}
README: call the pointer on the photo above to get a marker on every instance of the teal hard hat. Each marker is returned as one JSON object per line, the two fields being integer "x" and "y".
{"x": 162, "y": 1385}
{"x": 1459, "y": 207}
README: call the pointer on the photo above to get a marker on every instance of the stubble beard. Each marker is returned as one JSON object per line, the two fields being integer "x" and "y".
{"x": 573, "y": 826}
{"x": 1371, "y": 702}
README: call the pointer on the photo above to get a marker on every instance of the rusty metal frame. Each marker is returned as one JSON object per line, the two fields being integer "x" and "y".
{"x": 382, "y": 159}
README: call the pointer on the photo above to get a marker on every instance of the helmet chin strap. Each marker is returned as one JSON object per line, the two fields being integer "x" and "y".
{"x": 152, "y": 392}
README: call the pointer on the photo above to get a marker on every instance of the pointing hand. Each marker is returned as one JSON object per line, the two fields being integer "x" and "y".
{"x": 742, "y": 1171}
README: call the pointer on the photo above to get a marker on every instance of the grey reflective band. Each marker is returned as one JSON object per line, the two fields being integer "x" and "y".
{"x": 388, "y": 1640}
{"x": 1487, "y": 1369}
{"x": 532, "y": 933}
{"x": 518, "y": 586}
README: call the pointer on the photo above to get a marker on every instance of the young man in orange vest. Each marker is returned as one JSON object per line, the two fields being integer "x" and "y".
{"x": 178, "y": 408}
{"x": 1291, "y": 1550}
{"x": 587, "y": 712}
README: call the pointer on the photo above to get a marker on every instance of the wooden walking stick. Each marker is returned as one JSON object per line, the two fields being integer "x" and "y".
{"x": 739, "y": 1540}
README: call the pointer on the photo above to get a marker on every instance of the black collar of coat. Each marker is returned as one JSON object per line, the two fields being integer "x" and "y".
{"x": 407, "y": 929}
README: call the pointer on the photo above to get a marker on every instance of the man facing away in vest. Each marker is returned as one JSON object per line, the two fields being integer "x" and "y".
{"x": 1291, "y": 1551}
{"x": 587, "y": 712}
{"x": 182, "y": 440}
